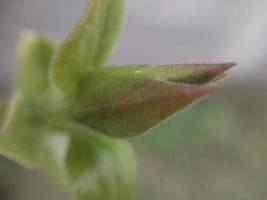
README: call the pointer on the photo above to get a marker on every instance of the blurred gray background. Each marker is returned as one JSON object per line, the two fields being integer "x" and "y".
{"x": 154, "y": 31}
{"x": 215, "y": 150}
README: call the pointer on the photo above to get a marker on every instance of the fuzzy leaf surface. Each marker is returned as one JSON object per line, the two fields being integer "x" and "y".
{"x": 127, "y": 103}
{"x": 20, "y": 131}
{"x": 21, "y": 126}
{"x": 89, "y": 44}
{"x": 196, "y": 74}
{"x": 89, "y": 165}
{"x": 34, "y": 55}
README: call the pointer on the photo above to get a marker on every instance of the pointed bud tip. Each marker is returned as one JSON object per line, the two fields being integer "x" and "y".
{"x": 226, "y": 66}
{"x": 219, "y": 67}
{"x": 222, "y": 68}
{"x": 217, "y": 71}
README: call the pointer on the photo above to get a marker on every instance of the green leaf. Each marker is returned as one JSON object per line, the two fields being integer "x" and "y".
{"x": 19, "y": 137}
{"x": 88, "y": 165}
{"x": 22, "y": 123}
{"x": 127, "y": 102}
{"x": 34, "y": 54}
{"x": 88, "y": 45}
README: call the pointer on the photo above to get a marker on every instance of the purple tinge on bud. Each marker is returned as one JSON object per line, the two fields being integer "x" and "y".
{"x": 131, "y": 100}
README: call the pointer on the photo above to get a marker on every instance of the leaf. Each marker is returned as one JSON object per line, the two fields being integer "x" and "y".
{"x": 19, "y": 136}
{"x": 88, "y": 45}
{"x": 34, "y": 54}
{"x": 128, "y": 103}
{"x": 22, "y": 124}
{"x": 89, "y": 165}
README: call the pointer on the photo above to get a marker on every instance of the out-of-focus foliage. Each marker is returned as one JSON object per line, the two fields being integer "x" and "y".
{"x": 89, "y": 165}
{"x": 85, "y": 163}
{"x": 22, "y": 125}
{"x": 88, "y": 44}
{"x": 34, "y": 54}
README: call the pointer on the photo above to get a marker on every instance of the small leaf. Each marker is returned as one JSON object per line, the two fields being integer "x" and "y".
{"x": 88, "y": 45}
{"x": 126, "y": 103}
{"x": 21, "y": 126}
{"x": 34, "y": 54}
{"x": 89, "y": 165}
{"x": 20, "y": 132}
